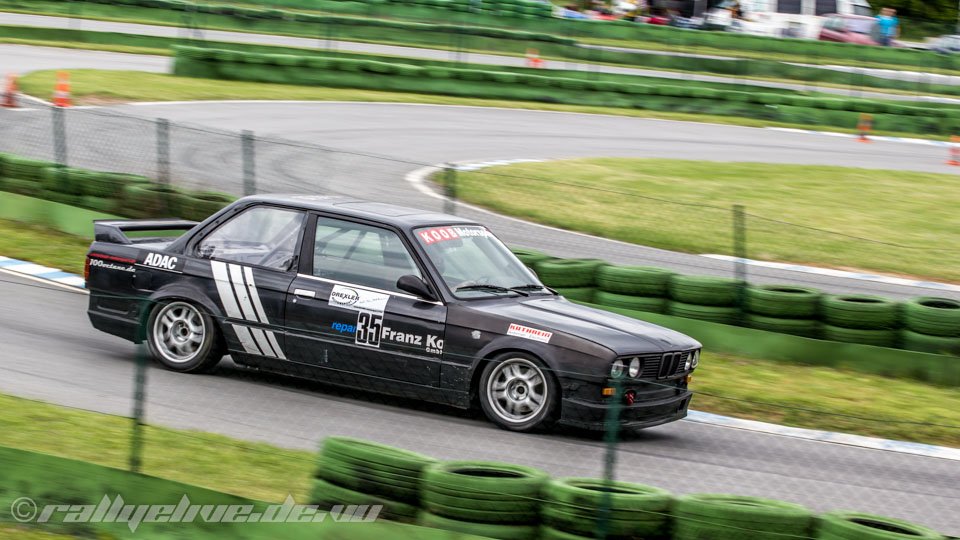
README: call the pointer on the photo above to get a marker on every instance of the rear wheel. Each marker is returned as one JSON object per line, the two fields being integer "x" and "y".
{"x": 183, "y": 338}
{"x": 518, "y": 393}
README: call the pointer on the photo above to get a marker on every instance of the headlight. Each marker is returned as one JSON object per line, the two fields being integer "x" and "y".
{"x": 696, "y": 359}
{"x": 689, "y": 362}
{"x": 616, "y": 370}
{"x": 634, "y": 367}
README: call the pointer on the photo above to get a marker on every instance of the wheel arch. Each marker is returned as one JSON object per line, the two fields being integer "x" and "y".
{"x": 487, "y": 355}
{"x": 183, "y": 293}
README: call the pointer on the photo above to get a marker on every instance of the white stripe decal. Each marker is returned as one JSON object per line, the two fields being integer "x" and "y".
{"x": 236, "y": 277}
{"x": 255, "y": 295}
{"x": 224, "y": 289}
{"x": 262, "y": 341}
{"x": 276, "y": 346}
{"x": 243, "y": 334}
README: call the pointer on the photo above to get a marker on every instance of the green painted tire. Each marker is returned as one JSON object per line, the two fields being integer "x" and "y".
{"x": 634, "y": 280}
{"x": 505, "y": 504}
{"x": 704, "y": 290}
{"x": 638, "y": 303}
{"x": 878, "y": 338}
{"x": 577, "y": 294}
{"x": 863, "y": 312}
{"x": 367, "y": 481}
{"x": 717, "y": 314}
{"x": 589, "y": 493}
{"x": 797, "y": 327}
{"x": 328, "y": 494}
{"x": 530, "y": 257}
{"x": 568, "y": 273}
{"x": 856, "y": 526}
{"x": 526, "y": 517}
{"x": 914, "y": 341}
{"x": 549, "y": 533}
{"x": 489, "y": 530}
{"x": 740, "y": 508}
{"x": 582, "y": 524}
{"x": 483, "y": 477}
{"x": 372, "y": 452}
{"x": 933, "y": 316}
{"x": 786, "y": 301}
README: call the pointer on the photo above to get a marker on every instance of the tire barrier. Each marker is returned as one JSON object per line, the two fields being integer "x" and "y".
{"x": 634, "y": 280}
{"x": 578, "y": 294}
{"x": 797, "y": 327}
{"x": 514, "y": 502}
{"x": 782, "y": 301}
{"x": 568, "y": 273}
{"x": 704, "y": 290}
{"x": 932, "y": 316}
{"x": 530, "y": 257}
{"x": 729, "y": 517}
{"x": 915, "y": 341}
{"x": 717, "y": 314}
{"x": 640, "y": 303}
{"x": 860, "y": 311}
{"x": 879, "y": 338}
{"x": 126, "y": 195}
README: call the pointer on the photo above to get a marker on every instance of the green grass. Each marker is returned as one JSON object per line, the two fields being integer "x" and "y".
{"x": 43, "y": 246}
{"x": 95, "y": 87}
{"x": 254, "y": 470}
{"x": 684, "y": 205}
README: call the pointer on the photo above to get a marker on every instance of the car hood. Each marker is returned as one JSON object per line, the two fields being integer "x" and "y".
{"x": 621, "y": 334}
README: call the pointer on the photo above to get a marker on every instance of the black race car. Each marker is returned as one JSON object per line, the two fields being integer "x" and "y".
{"x": 382, "y": 298}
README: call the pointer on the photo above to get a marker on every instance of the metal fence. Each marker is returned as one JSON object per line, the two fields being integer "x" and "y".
{"x": 253, "y": 405}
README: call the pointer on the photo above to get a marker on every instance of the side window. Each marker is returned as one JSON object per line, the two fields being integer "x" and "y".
{"x": 360, "y": 254}
{"x": 262, "y": 236}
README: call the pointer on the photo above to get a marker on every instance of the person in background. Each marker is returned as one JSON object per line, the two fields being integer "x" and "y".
{"x": 888, "y": 26}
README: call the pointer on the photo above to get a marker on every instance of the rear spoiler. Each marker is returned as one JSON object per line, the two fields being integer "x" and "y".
{"x": 114, "y": 231}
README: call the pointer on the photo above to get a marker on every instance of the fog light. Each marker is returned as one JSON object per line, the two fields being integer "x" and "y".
{"x": 630, "y": 397}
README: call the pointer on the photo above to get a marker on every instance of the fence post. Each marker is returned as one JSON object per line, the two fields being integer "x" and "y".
{"x": 611, "y": 436}
{"x": 450, "y": 189}
{"x": 139, "y": 398}
{"x": 163, "y": 151}
{"x": 740, "y": 251}
{"x": 59, "y": 136}
{"x": 249, "y": 163}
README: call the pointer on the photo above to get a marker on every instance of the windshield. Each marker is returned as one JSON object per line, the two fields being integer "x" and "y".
{"x": 473, "y": 263}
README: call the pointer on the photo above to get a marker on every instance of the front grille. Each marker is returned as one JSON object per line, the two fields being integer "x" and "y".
{"x": 660, "y": 366}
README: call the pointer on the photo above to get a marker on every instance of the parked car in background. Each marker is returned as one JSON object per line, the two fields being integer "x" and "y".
{"x": 780, "y": 18}
{"x": 946, "y": 44}
{"x": 850, "y": 29}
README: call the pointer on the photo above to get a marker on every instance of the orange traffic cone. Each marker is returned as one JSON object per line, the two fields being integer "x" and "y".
{"x": 864, "y": 126}
{"x": 10, "y": 92}
{"x": 61, "y": 93}
{"x": 954, "y": 151}
{"x": 533, "y": 58}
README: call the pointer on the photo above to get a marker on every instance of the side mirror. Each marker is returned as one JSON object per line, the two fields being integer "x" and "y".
{"x": 416, "y": 286}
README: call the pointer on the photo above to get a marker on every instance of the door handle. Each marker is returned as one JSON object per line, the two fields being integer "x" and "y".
{"x": 303, "y": 293}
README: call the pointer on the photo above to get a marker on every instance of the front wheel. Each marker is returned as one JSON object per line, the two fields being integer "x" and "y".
{"x": 518, "y": 393}
{"x": 183, "y": 338}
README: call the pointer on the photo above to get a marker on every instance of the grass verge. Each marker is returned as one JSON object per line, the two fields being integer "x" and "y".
{"x": 832, "y": 216}
{"x": 42, "y": 245}
{"x": 97, "y": 87}
{"x": 803, "y": 396}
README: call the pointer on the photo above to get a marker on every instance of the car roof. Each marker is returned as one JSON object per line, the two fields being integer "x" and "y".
{"x": 400, "y": 216}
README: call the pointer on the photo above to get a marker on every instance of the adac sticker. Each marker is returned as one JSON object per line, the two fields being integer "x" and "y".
{"x": 442, "y": 234}
{"x": 526, "y": 332}
{"x": 161, "y": 261}
{"x": 358, "y": 299}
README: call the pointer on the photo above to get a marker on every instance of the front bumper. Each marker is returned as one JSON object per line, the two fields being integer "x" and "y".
{"x": 642, "y": 414}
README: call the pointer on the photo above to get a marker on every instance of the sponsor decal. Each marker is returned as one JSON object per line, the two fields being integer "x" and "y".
{"x": 442, "y": 234}
{"x": 159, "y": 261}
{"x": 344, "y": 328}
{"x": 526, "y": 332}
{"x": 112, "y": 258}
{"x": 358, "y": 299}
{"x": 475, "y": 334}
{"x": 430, "y": 343}
{"x": 369, "y": 326}
{"x": 100, "y": 263}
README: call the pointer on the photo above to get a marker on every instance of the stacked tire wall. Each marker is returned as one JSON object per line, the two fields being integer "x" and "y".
{"x": 513, "y": 502}
{"x": 332, "y": 71}
{"x": 923, "y": 324}
{"x": 111, "y": 193}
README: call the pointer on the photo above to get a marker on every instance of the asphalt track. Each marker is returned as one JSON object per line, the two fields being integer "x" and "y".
{"x": 52, "y": 355}
{"x": 50, "y": 352}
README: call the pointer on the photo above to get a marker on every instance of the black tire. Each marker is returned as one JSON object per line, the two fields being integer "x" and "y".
{"x": 786, "y": 301}
{"x": 496, "y": 405}
{"x": 489, "y": 530}
{"x": 856, "y": 526}
{"x": 482, "y": 479}
{"x": 933, "y": 316}
{"x": 717, "y": 314}
{"x": 864, "y": 312}
{"x": 568, "y": 273}
{"x": 634, "y": 280}
{"x": 704, "y": 290}
{"x": 637, "y": 303}
{"x": 931, "y": 344}
{"x": 797, "y": 327}
{"x": 160, "y": 337}
{"x": 878, "y": 338}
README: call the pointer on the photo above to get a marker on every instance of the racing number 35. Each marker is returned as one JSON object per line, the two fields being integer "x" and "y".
{"x": 369, "y": 327}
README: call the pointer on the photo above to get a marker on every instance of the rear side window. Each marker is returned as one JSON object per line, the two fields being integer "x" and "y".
{"x": 259, "y": 236}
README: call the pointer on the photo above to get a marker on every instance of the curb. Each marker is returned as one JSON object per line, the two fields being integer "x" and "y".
{"x": 66, "y": 279}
